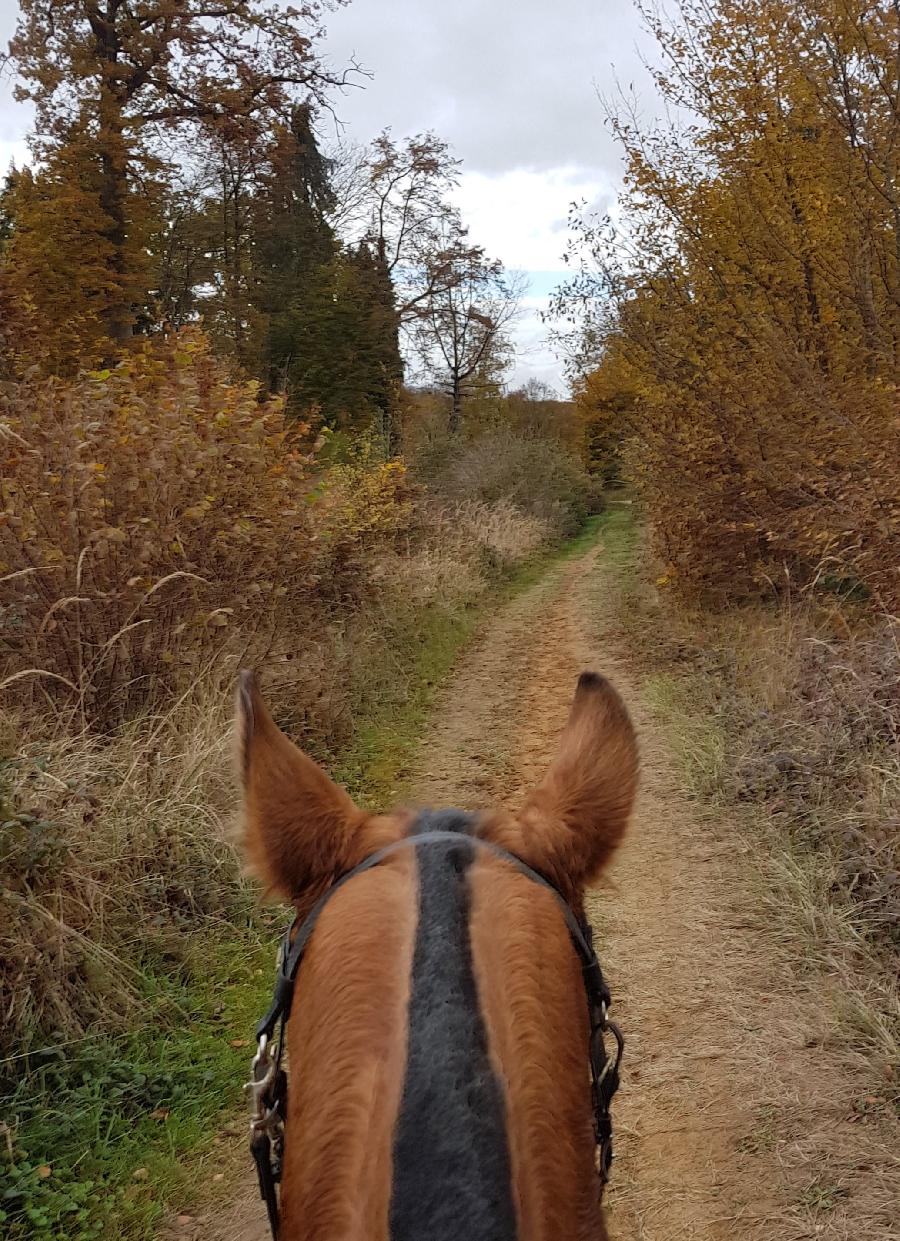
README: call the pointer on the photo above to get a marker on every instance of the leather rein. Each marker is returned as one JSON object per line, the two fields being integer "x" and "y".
{"x": 268, "y": 1084}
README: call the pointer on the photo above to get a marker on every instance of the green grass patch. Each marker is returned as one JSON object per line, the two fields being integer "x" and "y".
{"x": 617, "y": 529}
{"x": 374, "y": 766}
{"x": 696, "y": 740}
{"x": 695, "y": 737}
{"x": 102, "y": 1123}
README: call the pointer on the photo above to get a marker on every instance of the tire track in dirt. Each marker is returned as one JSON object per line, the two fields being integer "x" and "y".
{"x": 732, "y": 1099}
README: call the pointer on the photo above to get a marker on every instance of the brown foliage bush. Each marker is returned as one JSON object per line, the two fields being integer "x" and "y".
{"x": 161, "y": 524}
{"x": 158, "y": 517}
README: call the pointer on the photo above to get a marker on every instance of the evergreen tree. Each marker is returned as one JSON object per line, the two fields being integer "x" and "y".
{"x": 228, "y": 220}
{"x": 7, "y": 209}
{"x": 134, "y": 75}
{"x": 293, "y": 239}
{"x": 346, "y": 360}
{"x": 380, "y": 343}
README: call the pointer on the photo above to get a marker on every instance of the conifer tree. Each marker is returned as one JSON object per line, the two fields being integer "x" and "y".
{"x": 293, "y": 240}
{"x": 346, "y": 362}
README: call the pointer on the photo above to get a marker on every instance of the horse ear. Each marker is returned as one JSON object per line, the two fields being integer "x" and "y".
{"x": 570, "y": 825}
{"x": 299, "y": 825}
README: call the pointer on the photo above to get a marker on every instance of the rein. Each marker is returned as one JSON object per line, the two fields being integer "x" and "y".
{"x": 268, "y": 1084}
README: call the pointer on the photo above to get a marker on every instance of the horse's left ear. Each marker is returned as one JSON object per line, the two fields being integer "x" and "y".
{"x": 299, "y": 825}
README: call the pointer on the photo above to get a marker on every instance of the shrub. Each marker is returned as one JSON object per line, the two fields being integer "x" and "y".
{"x": 537, "y": 475}
{"x": 741, "y": 302}
{"x": 160, "y": 523}
{"x": 158, "y": 517}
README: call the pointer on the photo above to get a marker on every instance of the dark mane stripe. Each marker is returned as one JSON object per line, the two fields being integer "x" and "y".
{"x": 451, "y": 1161}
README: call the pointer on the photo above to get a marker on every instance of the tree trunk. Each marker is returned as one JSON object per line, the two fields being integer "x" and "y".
{"x": 455, "y": 420}
{"x": 118, "y": 314}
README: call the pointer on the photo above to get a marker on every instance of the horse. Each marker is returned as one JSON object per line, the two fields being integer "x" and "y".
{"x": 439, "y": 1042}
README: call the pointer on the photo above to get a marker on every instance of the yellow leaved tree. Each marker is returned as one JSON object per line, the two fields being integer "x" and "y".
{"x": 744, "y": 318}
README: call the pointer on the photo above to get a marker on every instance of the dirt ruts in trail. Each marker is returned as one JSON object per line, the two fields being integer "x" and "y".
{"x": 736, "y": 1115}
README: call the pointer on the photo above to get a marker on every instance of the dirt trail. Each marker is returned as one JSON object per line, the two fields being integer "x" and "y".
{"x": 736, "y": 1117}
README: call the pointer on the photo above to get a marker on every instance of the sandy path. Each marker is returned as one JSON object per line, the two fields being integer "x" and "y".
{"x": 738, "y": 1114}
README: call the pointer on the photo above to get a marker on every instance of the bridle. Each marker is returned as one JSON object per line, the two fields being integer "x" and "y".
{"x": 268, "y": 1084}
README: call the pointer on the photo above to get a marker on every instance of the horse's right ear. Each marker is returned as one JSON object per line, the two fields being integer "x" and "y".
{"x": 299, "y": 825}
{"x": 572, "y": 822}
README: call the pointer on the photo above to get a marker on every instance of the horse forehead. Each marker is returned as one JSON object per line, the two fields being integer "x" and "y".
{"x": 461, "y": 1144}
{"x": 448, "y": 819}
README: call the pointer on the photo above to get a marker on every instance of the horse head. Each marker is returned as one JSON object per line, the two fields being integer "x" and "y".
{"x": 439, "y": 1043}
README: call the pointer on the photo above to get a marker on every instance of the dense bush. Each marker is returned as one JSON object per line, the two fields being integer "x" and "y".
{"x": 161, "y": 524}
{"x": 536, "y": 474}
{"x": 159, "y": 517}
{"x": 744, "y": 310}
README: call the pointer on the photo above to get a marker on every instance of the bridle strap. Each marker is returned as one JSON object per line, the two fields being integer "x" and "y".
{"x": 261, "y": 1150}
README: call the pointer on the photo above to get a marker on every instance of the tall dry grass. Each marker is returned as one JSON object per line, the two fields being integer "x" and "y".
{"x": 159, "y": 516}
{"x": 114, "y": 855}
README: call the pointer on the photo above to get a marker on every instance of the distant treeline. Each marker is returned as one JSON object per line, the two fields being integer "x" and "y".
{"x": 179, "y": 177}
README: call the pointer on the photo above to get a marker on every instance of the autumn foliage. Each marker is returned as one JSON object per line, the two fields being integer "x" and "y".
{"x": 161, "y": 525}
{"x": 743, "y": 319}
{"x": 159, "y": 516}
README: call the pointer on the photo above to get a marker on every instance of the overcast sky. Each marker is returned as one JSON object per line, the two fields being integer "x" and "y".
{"x": 512, "y": 85}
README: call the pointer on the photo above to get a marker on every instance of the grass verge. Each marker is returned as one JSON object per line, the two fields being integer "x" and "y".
{"x": 374, "y": 767}
{"x": 786, "y": 717}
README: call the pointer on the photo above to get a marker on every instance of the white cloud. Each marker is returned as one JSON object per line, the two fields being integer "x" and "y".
{"x": 511, "y": 83}
{"x": 520, "y": 215}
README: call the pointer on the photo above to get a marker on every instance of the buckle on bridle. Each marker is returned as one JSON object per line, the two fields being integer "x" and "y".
{"x": 605, "y": 1080}
{"x": 262, "y": 1073}
{"x": 268, "y": 1090}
